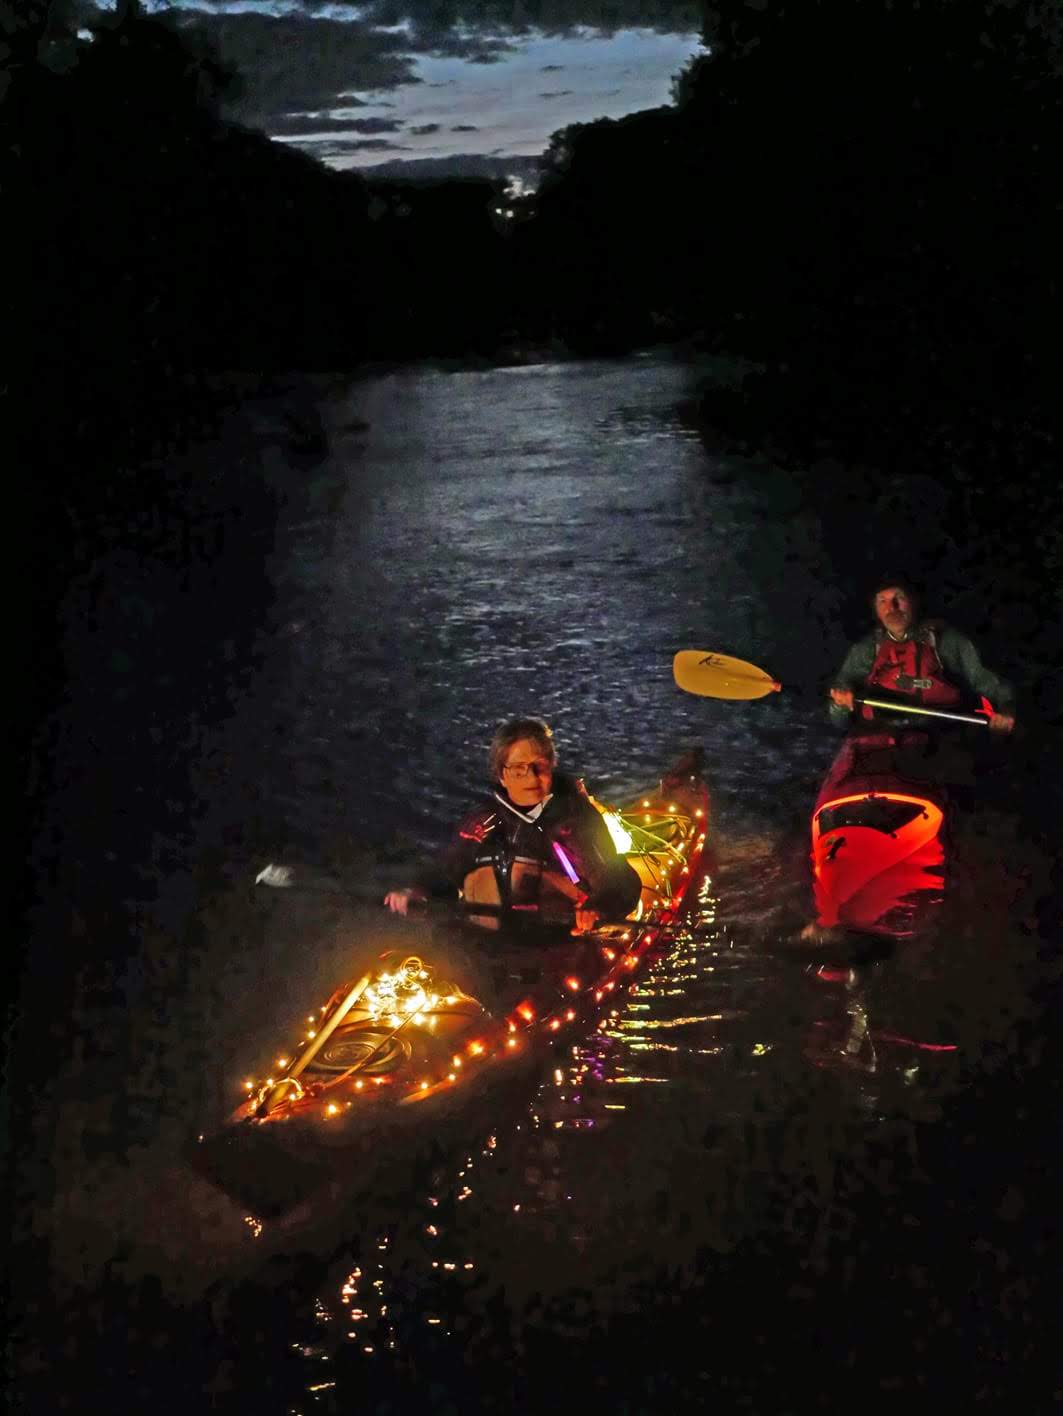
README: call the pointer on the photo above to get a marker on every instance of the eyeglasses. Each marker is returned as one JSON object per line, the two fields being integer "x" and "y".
{"x": 521, "y": 770}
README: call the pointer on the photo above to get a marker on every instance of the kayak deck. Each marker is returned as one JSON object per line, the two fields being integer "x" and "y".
{"x": 878, "y": 851}
{"x": 411, "y": 1037}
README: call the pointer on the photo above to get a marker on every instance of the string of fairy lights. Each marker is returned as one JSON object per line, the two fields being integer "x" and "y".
{"x": 663, "y": 841}
{"x": 364, "y": 1315}
{"x": 364, "y": 1311}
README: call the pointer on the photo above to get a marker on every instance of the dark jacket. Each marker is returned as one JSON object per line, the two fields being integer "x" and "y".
{"x": 960, "y": 662}
{"x": 498, "y": 833}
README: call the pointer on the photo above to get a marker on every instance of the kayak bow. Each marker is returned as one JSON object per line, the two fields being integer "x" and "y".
{"x": 877, "y": 839}
{"x": 407, "y": 1046}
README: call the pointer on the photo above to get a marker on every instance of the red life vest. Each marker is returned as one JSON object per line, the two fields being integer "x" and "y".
{"x": 912, "y": 668}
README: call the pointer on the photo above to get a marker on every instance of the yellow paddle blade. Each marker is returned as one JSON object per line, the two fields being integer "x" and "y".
{"x": 720, "y": 676}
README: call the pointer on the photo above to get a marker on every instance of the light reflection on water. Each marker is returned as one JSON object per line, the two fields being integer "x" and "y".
{"x": 562, "y": 1197}
{"x": 474, "y": 571}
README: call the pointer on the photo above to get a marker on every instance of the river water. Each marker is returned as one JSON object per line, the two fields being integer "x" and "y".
{"x": 535, "y": 540}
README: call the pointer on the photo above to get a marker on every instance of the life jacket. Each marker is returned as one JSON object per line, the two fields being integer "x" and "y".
{"x": 517, "y": 867}
{"x": 912, "y": 668}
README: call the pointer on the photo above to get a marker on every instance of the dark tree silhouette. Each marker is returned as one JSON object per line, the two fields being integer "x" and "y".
{"x": 860, "y": 196}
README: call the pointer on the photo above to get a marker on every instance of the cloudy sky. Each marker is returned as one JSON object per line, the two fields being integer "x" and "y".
{"x": 359, "y": 84}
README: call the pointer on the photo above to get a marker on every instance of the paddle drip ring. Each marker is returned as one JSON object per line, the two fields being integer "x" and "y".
{"x": 348, "y": 1050}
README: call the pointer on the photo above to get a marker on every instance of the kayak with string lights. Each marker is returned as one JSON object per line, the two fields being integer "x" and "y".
{"x": 410, "y": 1044}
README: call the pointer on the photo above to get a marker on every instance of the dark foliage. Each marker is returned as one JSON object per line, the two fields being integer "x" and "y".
{"x": 861, "y": 197}
{"x": 163, "y": 257}
{"x": 162, "y": 244}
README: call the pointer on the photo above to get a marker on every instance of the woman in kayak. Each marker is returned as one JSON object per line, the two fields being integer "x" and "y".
{"x": 930, "y": 663}
{"x": 536, "y": 850}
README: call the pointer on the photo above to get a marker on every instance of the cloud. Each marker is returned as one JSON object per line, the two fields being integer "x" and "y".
{"x": 547, "y": 16}
{"x": 457, "y": 165}
{"x": 473, "y": 48}
{"x": 465, "y": 128}
{"x": 303, "y": 53}
{"x": 332, "y": 146}
{"x": 298, "y": 57}
{"x": 296, "y": 63}
{"x": 375, "y": 145}
{"x": 423, "y": 129}
{"x": 294, "y": 123}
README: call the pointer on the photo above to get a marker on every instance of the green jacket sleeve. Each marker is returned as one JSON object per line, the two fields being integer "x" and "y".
{"x": 961, "y": 661}
{"x": 853, "y": 673}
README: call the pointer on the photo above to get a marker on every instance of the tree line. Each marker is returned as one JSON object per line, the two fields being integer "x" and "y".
{"x": 860, "y": 197}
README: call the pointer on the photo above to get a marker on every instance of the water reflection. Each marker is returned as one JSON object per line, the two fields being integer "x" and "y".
{"x": 882, "y": 828}
{"x": 532, "y": 1185}
{"x": 708, "y": 1053}
{"x": 855, "y": 1030}
{"x": 410, "y": 1283}
{"x": 668, "y": 1123}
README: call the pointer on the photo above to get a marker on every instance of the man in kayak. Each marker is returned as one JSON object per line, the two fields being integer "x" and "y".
{"x": 930, "y": 663}
{"x": 536, "y": 849}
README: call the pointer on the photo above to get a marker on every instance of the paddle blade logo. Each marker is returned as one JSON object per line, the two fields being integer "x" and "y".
{"x": 714, "y": 675}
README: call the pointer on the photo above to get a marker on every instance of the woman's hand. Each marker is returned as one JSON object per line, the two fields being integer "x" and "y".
{"x": 399, "y": 901}
{"x": 585, "y": 920}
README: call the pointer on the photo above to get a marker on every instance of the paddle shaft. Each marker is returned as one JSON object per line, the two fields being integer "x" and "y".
{"x": 722, "y": 676}
{"x": 282, "y": 878}
{"x": 974, "y": 718}
{"x": 317, "y": 1043}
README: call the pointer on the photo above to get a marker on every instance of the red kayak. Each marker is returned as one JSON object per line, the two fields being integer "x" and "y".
{"x": 878, "y": 848}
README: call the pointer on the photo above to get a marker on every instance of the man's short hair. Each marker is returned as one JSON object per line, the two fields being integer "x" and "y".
{"x": 893, "y": 582}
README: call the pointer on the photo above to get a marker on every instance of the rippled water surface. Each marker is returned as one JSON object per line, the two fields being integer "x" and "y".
{"x": 537, "y": 540}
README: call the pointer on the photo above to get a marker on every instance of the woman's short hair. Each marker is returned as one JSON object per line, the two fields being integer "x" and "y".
{"x": 516, "y": 730}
